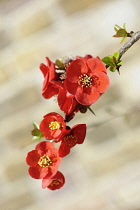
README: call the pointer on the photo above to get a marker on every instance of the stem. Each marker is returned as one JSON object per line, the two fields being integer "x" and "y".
{"x": 133, "y": 39}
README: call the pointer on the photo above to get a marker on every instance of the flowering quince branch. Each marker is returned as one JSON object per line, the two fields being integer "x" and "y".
{"x": 78, "y": 83}
{"x": 113, "y": 61}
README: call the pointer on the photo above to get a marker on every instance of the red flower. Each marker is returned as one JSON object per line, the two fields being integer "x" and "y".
{"x": 54, "y": 183}
{"x": 43, "y": 161}
{"x": 66, "y": 101}
{"x": 86, "y": 79}
{"x": 70, "y": 138}
{"x": 48, "y": 89}
{"x": 52, "y": 126}
{"x": 86, "y": 57}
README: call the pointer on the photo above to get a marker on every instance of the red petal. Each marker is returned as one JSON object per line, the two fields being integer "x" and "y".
{"x": 48, "y": 61}
{"x": 44, "y": 69}
{"x": 71, "y": 87}
{"x": 53, "y": 155}
{"x": 80, "y": 132}
{"x": 38, "y": 172}
{"x": 45, "y": 83}
{"x": 46, "y": 182}
{"x": 51, "y": 172}
{"x": 49, "y": 90}
{"x": 75, "y": 69}
{"x": 32, "y": 158}
{"x": 61, "y": 137}
{"x": 51, "y": 69}
{"x": 63, "y": 150}
{"x": 45, "y": 146}
{"x": 59, "y": 177}
{"x": 87, "y": 97}
{"x": 57, "y": 83}
{"x": 104, "y": 81}
{"x": 86, "y": 57}
{"x": 95, "y": 64}
{"x": 66, "y": 104}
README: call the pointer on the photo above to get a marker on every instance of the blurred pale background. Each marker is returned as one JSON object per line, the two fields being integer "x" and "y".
{"x": 104, "y": 172}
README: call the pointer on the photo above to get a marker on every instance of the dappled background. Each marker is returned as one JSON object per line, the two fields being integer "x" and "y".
{"x": 104, "y": 172}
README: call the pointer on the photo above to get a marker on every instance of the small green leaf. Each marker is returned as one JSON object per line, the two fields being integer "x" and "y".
{"x": 116, "y": 55}
{"x": 124, "y": 26}
{"x": 36, "y": 126}
{"x": 35, "y": 138}
{"x": 123, "y": 39}
{"x": 116, "y": 28}
{"x": 38, "y": 137}
{"x": 121, "y": 33}
{"x": 112, "y": 69}
{"x": 110, "y": 56}
{"x": 114, "y": 60}
{"x": 119, "y": 63}
{"x": 108, "y": 61}
{"x": 36, "y": 132}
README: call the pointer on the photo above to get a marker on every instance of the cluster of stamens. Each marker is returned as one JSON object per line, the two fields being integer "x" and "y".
{"x": 70, "y": 140}
{"x": 85, "y": 80}
{"x": 44, "y": 161}
{"x": 63, "y": 76}
{"x": 55, "y": 182}
{"x": 55, "y": 125}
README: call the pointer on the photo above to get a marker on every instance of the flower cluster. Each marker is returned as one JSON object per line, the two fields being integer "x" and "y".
{"x": 78, "y": 83}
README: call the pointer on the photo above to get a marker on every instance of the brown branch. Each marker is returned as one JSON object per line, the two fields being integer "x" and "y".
{"x": 134, "y": 39}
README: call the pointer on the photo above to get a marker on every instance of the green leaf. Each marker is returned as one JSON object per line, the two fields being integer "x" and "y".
{"x": 116, "y": 55}
{"x": 116, "y": 28}
{"x": 108, "y": 61}
{"x": 121, "y": 33}
{"x": 112, "y": 69}
{"x": 124, "y": 26}
{"x": 36, "y": 126}
{"x": 35, "y": 138}
{"x": 123, "y": 39}
{"x": 36, "y": 132}
{"x": 119, "y": 63}
{"x": 114, "y": 60}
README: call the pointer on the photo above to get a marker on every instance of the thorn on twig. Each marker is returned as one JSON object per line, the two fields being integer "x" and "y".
{"x": 91, "y": 111}
{"x": 118, "y": 71}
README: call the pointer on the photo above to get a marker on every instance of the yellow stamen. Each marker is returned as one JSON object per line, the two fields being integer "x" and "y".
{"x": 85, "y": 80}
{"x": 44, "y": 161}
{"x": 55, "y": 182}
{"x": 54, "y": 125}
{"x": 70, "y": 140}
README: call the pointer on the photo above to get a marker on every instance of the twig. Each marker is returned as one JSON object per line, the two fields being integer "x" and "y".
{"x": 133, "y": 39}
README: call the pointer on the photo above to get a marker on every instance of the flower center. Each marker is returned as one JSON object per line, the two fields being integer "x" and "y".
{"x": 55, "y": 182}
{"x": 44, "y": 161}
{"x": 70, "y": 140}
{"x": 85, "y": 80}
{"x": 55, "y": 125}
